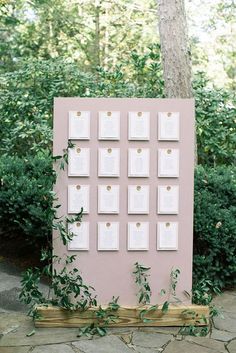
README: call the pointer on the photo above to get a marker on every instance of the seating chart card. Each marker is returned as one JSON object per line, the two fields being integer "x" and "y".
{"x": 80, "y": 240}
{"x": 167, "y": 236}
{"x": 138, "y": 236}
{"x": 78, "y": 197}
{"x": 138, "y": 199}
{"x": 139, "y": 160}
{"x": 139, "y": 125}
{"x": 168, "y": 126}
{"x": 79, "y": 125}
{"x": 168, "y": 199}
{"x": 109, "y": 125}
{"x": 108, "y": 236}
{"x": 109, "y": 162}
{"x": 108, "y": 199}
{"x": 78, "y": 161}
{"x": 168, "y": 163}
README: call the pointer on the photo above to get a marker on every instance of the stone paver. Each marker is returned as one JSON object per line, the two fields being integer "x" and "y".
{"x": 15, "y": 349}
{"x": 232, "y": 346}
{"x": 226, "y": 301}
{"x": 55, "y": 348}
{"x": 206, "y": 342}
{"x": 107, "y": 344}
{"x": 187, "y": 347}
{"x": 228, "y": 323}
{"x": 150, "y": 340}
{"x": 223, "y": 336}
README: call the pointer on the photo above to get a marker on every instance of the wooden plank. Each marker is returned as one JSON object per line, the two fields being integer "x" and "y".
{"x": 176, "y": 315}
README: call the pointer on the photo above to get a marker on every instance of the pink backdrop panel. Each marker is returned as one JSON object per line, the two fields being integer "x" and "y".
{"x": 110, "y": 272}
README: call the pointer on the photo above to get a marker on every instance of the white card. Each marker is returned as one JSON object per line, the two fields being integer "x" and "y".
{"x": 109, "y": 125}
{"x": 138, "y": 236}
{"x": 108, "y": 236}
{"x": 138, "y": 199}
{"x": 80, "y": 240}
{"x": 79, "y": 125}
{"x": 78, "y": 161}
{"x": 108, "y": 199}
{"x": 168, "y": 126}
{"x": 78, "y": 197}
{"x": 168, "y": 199}
{"x": 109, "y": 162}
{"x": 139, "y": 160}
{"x": 167, "y": 236}
{"x": 139, "y": 125}
{"x": 168, "y": 163}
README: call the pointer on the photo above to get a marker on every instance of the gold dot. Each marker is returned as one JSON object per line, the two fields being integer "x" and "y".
{"x": 108, "y": 113}
{"x": 168, "y": 114}
{"x": 138, "y": 188}
{"x": 78, "y": 113}
{"x": 78, "y": 187}
{"x": 138, "y": 224}
{"x": 169, "y": 151}
{"x": 140, "y": 113}
{"x": 139, "y": 150}
{"x": 167, "y": 224}
{"x": 109, "y": 150}
{"x": 108, "y": 187}
{"x": 168, "y": 188}
{"x": 108, "y": 224}
{"x": 78, "y": 224}
{"x": 78, "y": 150}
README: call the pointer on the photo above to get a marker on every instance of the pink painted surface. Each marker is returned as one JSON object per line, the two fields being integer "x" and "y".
{"x": 110, "y": 272}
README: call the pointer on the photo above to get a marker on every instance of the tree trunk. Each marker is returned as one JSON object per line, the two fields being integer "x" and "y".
{"x": 174, "y": 49}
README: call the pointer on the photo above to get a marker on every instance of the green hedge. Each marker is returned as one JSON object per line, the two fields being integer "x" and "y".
{"x": 215, "y": 225}
{"x": 26, "y": 199}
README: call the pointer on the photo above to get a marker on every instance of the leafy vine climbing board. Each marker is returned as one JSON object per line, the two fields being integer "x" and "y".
{"x": 130, "y": 167}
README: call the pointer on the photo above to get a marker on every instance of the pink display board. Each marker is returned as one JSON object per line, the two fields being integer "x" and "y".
{"x": 132, "y": 169}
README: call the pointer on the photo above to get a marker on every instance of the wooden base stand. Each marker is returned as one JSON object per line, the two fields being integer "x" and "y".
{"x": 177, "y": 315}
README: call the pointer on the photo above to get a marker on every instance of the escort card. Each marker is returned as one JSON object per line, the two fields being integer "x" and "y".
{"x": 78, "y": 197}
{"x": 139, "y": 125}
{"x": 167, "y": 236}
{"x": 168, "y": 199}
{"x": 108, "y": 198}
{"x": 80, "y": 240}
{"x": 108, "y": 236}
{"x": 138, "y": 236}
{"x": 139, "y": 159}
{"x": 78, "y": 161}
{"x": 168, "y": 163}
{"x": 79, "y": 125}
{"x": 138, "y": 199}
{"x": 109, "y": 162}
{"x": 109, "y": 126}
{"x": 168, "y": 126}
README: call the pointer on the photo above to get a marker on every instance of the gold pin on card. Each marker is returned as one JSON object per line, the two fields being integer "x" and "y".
{"x": 108, "y": 224}
{"x": 78, "y": 224}
{"x": 78, "y": 113}
{"x": 140, "y": 113}
{"x": 168, "y": 188}
{"x": 169, "y": 114}
{"x": 108, "y": 113}
{"x": 138, "y": 187}
{"x": 169, "y": 151}
{"x": 78, "y": 187}
{"x": 167, "y": 224}
{"x": 139, "y": 150}
{"x": 108, "y": 188}
{"x": 78, "y": 150}
{"x": 138, "y": 224}
{"x": 109, "y": 150}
